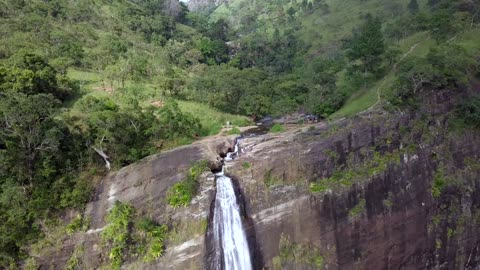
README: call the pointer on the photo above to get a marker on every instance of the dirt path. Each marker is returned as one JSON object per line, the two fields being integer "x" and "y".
{"x": 394, "y": 68}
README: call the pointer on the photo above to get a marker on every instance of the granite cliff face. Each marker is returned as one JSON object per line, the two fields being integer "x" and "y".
{"x": 383, "y": 190}
{"x": 390, "y": 220}
{"x": 144, "y": 185}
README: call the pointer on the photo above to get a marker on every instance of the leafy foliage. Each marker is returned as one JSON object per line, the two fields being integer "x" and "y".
{"x": 77, "y": 224}
{"x": 443, "y": 66}
{"x": 469, "y": 112}
{"x": 256, "y": 59}
{"x": 277, "y": 128}
{"x": 183, "y": 192}
{"x": 298, "y": 253}
{"x": 367, "y": 45}
{"x": 117, "y": 233}
{"x": 156, "y": 235}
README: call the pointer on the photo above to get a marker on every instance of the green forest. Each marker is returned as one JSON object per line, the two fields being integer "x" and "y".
{"x": 94, "y": 85}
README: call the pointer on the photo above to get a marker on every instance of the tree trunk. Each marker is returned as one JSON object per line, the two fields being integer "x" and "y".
{"x": 365, "y": 77}
{"x": 104, "y": 156}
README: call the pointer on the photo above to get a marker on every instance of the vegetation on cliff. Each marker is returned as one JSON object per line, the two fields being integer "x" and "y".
{"x": 183, "y": 192}
{"x": 86, "y": 85}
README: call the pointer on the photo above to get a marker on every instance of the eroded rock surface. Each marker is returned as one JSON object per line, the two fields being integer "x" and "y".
{"x": 379, "y": 191}
{"x": 401, "y": 192}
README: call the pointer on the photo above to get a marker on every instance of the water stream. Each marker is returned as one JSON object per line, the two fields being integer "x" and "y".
{"x": 231, "y": 246}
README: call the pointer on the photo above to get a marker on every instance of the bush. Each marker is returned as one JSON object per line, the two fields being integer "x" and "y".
{"x": 234, "y": 131}
{"x": 469, "y": 112}
{"x": 444, "y": 66}
{"x": 78, "y": 196}
{"x": 277, "y": 128}
{"x": 439, "y": 183}
{"x": 183, "y": 192}
{"x": 156, "y": 235}
{"x": 116, "y": 233}
{"x": 77, "y": 224}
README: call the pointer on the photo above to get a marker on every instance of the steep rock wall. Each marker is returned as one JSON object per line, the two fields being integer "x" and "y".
{"x": 393, "y": 191}
{"x": 144, "y": 185}
{"x": 417, "y": 209}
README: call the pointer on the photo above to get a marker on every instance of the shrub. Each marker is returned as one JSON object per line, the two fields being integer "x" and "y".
{"x": 277, "y": 128}
{"x": 78, "y": 196}
{"x": 298, "y": 253}
{"x": 357, "y": 209}
{"x": 31, "y": 264}
{"x": 439, "y": 183}
{"x": 318, "y": 187}
{"x": 117, "y": 231}
{"x": 78, "y": 223}
{"x": 469, "y": 112}
{"x": 234, "y": 131}
{"x": 183, "y": 192}
{"x": 156, "y": 235}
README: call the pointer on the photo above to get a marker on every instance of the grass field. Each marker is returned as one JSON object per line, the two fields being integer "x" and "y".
{"x": 211, "y": 119}
{"x": 421, "y": 42}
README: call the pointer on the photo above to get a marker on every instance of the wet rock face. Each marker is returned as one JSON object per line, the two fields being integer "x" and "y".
{"x": 404, "y": 193}
{"x": 420, "y": 211}
{"x": 144, "y": 185}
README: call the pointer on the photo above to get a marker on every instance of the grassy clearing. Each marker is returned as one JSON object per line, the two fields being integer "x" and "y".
{"x": 363, "y": 100}
{"x": 358, "y": 102}
{"x": 211, "y": 119}
{"x": 327, "y": 29}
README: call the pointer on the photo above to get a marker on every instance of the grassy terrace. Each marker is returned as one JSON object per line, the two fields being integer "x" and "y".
{"x": 421, "y": 43}
{"x": 211, "y": 119}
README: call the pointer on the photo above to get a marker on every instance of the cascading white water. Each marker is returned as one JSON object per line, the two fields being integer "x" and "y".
{"x": 231, "y": 246}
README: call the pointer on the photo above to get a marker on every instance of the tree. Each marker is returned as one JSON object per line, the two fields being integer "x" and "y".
{"x": 304, "y": 4}
{"x": 413, "y": 6}
{"x": 433, "y": 3}
{"x": 441, "y": 24}
{"x": 367, "y": 46}
{"x": 291, "y": 11}
{"x": 324, "y": 100}
{"x": 33, "y": 75}
{"x": 284, "y": 107}
{"x": 29, "y": 132}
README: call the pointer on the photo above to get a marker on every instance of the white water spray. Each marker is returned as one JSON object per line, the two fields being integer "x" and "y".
{"x": 231, "y": 246}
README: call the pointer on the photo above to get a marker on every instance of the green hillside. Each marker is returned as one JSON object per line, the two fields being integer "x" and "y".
{"x": 90, "y": 86}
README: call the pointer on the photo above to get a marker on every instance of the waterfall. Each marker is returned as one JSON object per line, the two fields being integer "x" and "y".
{"x": 231, "y": 246}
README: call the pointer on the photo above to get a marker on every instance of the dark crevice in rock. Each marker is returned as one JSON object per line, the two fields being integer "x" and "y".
{"x": 249, "y": 227}
{"x": 210, "y": 261}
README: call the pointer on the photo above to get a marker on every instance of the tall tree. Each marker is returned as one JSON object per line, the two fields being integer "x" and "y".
{"x": 29, "y": 132}
{"x": 413, "y": 6}
{"x": 441, "y": 24}
{"x": 367, "y": 46}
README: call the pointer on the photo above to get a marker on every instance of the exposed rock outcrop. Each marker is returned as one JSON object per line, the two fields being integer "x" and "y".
{"x": 144, "y": 185}
{"x": 382, "y": 190}
{"x": 394, "y": 191}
